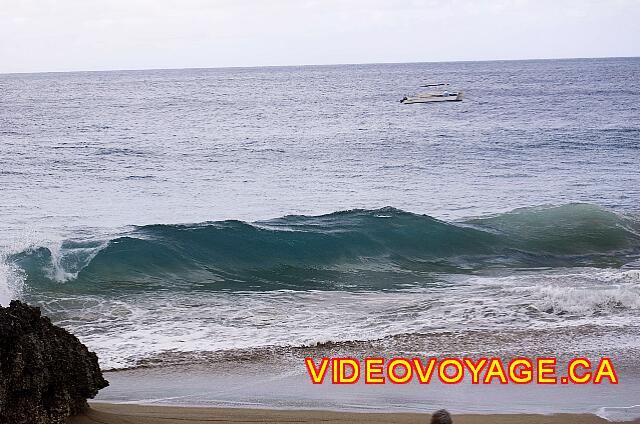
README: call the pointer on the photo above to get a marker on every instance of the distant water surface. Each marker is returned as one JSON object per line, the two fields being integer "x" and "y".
{"x": 110, "y": 149}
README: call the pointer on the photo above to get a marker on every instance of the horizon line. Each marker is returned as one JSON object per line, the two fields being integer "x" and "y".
{"x": 311, "y": 65}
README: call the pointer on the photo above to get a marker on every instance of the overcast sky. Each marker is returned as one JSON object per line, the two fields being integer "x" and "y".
{"x": 62, "y": 35}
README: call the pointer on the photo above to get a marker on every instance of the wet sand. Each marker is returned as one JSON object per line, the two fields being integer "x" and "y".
{"x": 105, "y": 413}
{"x": 280, "y": 385}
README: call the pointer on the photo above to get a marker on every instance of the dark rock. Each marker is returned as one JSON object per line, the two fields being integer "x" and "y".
{"x": 46, "y": 374}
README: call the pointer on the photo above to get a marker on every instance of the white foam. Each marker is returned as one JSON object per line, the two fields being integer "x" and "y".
{"x": 12, "y": 278}
{"x": 82, "y": 257}
{"x": 11, "y": 282}
{"x": 125, "y": 328}
{"x": 619, "y": 413}
{"x": 582, "y": 293}
{"x": 57, "y": 271}
{"x": 580, "y": 300}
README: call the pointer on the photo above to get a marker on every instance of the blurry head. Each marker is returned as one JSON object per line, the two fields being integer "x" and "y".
{"x": 441, "y": 417}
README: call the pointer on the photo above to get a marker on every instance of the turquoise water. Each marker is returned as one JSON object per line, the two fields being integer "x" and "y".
{"x": 353, "y": 250}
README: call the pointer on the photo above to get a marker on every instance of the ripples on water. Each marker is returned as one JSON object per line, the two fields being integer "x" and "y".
{"x": 108, "y": 149}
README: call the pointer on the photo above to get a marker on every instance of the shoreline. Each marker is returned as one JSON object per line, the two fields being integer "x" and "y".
{"x": 110, "y": 413}
{"x": 277, "y": 383}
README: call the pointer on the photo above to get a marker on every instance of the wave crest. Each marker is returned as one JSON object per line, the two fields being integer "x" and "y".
{"x": 357, "y": 248}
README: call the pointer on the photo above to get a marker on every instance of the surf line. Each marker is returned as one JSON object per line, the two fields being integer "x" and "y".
{"x": 454, "y": 370}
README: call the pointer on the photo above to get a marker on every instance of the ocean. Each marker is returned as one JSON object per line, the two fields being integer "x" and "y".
{"x": 198, "y": 216}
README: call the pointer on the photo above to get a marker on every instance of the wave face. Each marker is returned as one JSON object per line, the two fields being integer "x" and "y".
{"x": 358, "y": 249}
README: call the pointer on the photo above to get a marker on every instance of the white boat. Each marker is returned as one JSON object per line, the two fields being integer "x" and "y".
{"x": 444, "y": 96}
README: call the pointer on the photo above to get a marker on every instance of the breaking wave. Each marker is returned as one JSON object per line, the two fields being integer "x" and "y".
{"x": 368, "y": 249}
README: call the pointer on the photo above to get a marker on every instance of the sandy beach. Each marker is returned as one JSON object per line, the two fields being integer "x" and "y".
{"x": 105, "y": 413}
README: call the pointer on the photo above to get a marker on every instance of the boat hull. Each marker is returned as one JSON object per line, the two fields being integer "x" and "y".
{"x": 430, "y": 98}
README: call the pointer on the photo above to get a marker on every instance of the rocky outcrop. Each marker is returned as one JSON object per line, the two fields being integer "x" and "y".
{"x": 46, "y": 374}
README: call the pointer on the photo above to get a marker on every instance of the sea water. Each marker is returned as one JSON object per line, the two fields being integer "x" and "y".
{"x": 175, "y": 217}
